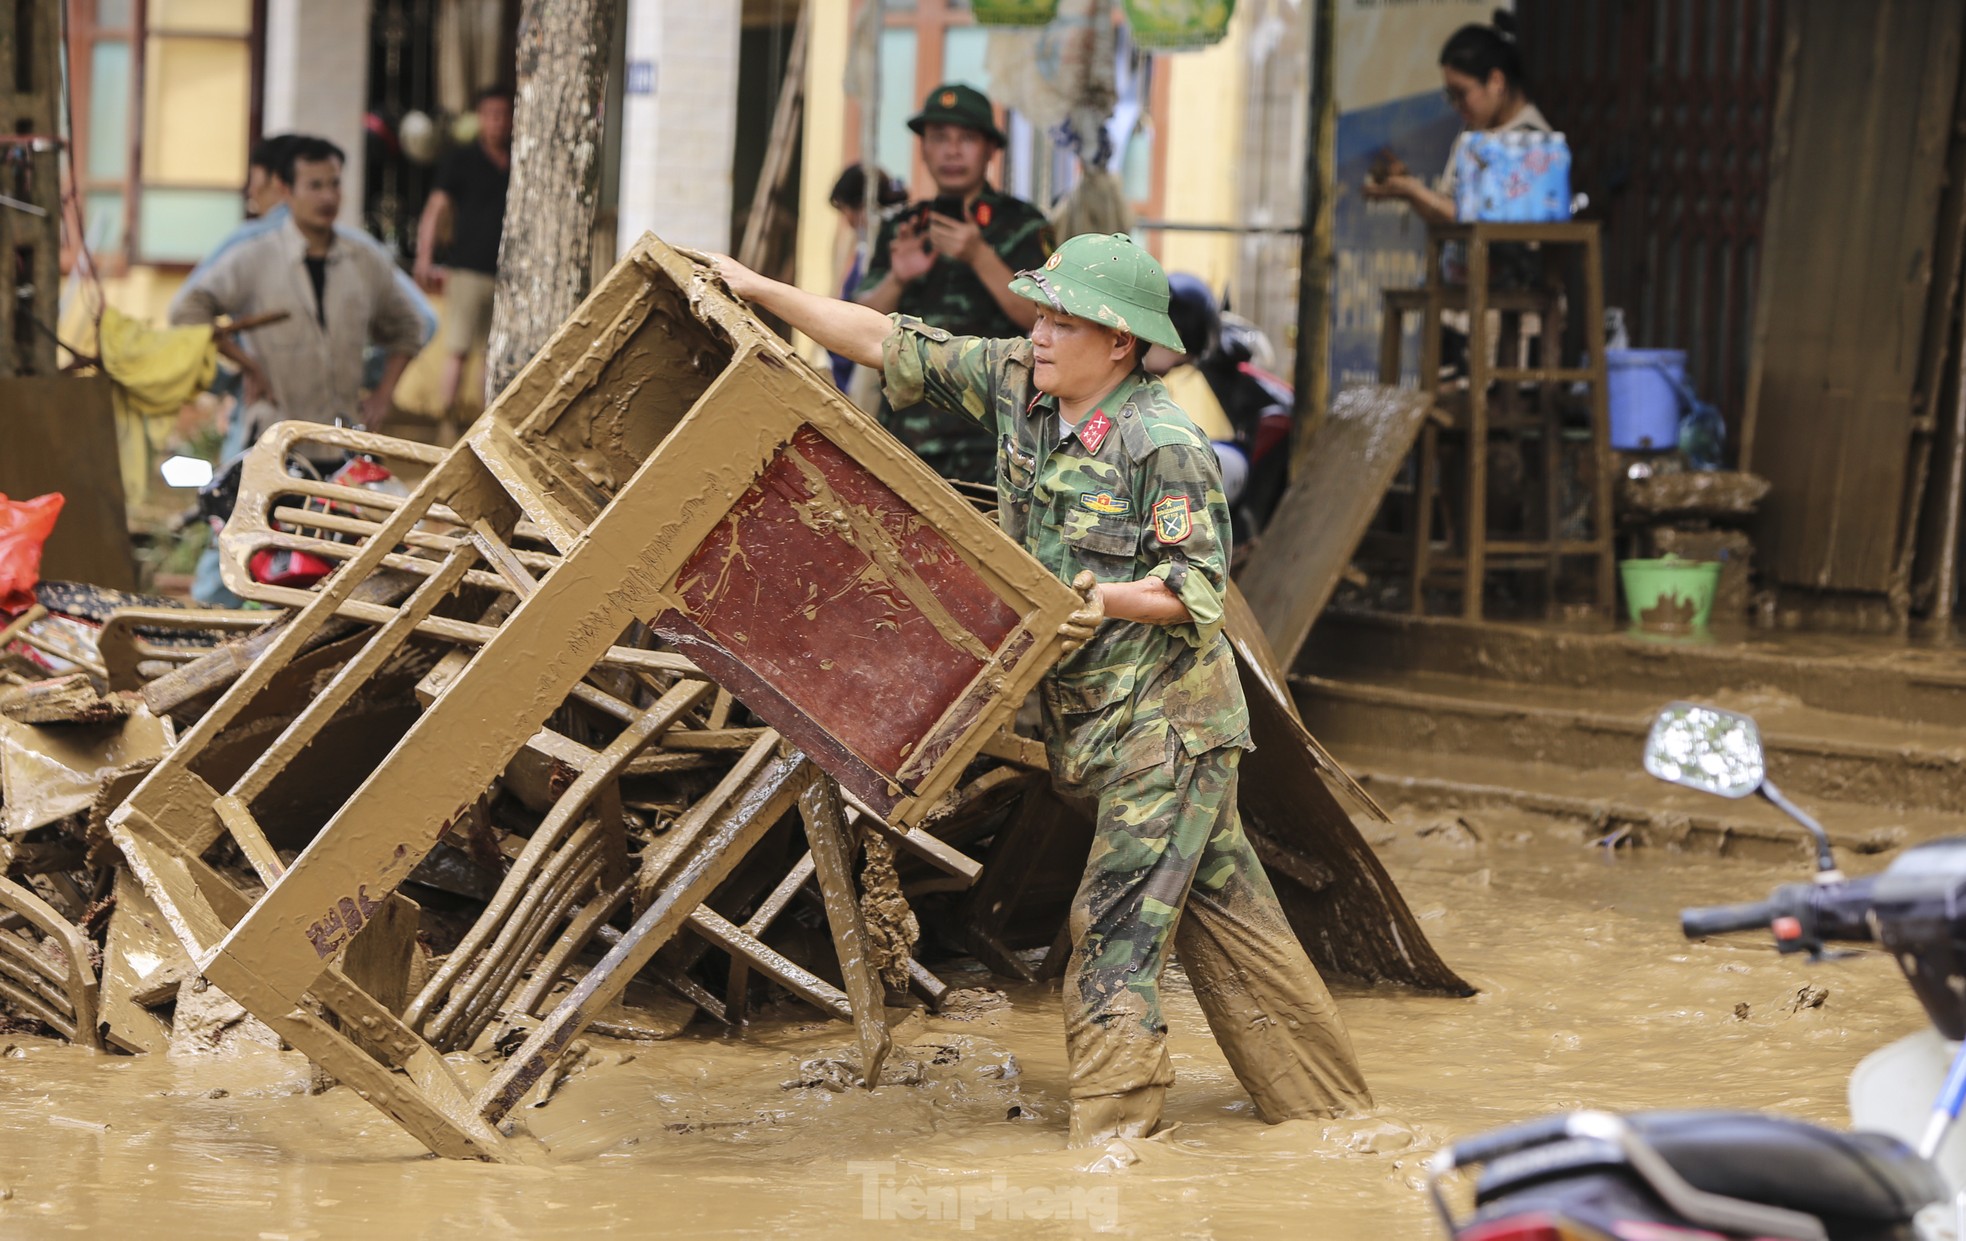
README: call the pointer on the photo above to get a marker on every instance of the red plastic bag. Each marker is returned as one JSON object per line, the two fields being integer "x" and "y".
{"x": 24, "y": 526}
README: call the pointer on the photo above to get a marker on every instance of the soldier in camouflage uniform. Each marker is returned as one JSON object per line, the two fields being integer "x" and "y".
{"x": 1111, "y": 487}
{"x": 955, "y": 274}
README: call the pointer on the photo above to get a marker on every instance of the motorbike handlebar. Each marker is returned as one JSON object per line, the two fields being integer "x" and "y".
{"x": 1804, "y": 916}
{"x": 1720, "y": 919}
{"x": 1488, "y": 1147}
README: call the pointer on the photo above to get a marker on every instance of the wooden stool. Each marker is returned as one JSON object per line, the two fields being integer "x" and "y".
{"x": 1477, "y": 414}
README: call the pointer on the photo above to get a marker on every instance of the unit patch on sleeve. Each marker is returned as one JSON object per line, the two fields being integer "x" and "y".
{"x": 1172, "y": 521}
{"x": 1105, "y": 503}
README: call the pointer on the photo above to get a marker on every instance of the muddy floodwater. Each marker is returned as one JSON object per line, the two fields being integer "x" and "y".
{"x": 1588, "y": 997}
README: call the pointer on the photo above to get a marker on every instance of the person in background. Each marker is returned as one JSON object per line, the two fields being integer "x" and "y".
{"x": 1191, "y": 308}
{"x": 1482, "y": 74}
{"x": 264, "y": 192}
{"x": 339, "y": 296}
{"x": 341, "y": 290}
{"x": 1245, "y": 411}
{"x": 952, "y": 268}
{"x": 266, "y": 209}
{"x": 849, "y": 198}
{"x": 470, "y": 193}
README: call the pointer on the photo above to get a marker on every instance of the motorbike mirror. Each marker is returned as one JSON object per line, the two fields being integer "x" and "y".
{"x": 181, "y": 471}
{"x": 1706, "y": 748}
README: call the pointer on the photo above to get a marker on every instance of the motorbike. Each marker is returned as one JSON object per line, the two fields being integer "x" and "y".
{"x": 1715, "y": 1175}
{"x": 1260, "y": 408}
{"x": 278, "y": 566}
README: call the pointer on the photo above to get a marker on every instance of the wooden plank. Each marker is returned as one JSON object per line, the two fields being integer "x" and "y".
{"x": 142, "y": 966}
{"x": 832, "y": 855}
{"x": 1839, "y": 347}
{"x": 1800, "y": 287}
{"x": 802, "y": 982}
{"x": 1345, "y": 908}
{"x": 762, "y": 223}
{"x": 61, "y": 436}
{"x": 1348, "y": 464}
{"x": 1933, "y": 555}
{"x": 929, "y": 848}
{"x": 724, "y": 845}
{"x": 378, "y": 964}
{"x": 1263, "y": 676}
{"x": 1919, "y": 120}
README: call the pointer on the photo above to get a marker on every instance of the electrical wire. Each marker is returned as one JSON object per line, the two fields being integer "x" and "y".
{"x": 73, "y": 198}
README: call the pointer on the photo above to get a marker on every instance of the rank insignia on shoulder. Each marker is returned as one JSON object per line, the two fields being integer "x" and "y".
{"x": 1172, "y": 521}
{"x": 1105, "y": 502}
{"x": 1092, "y": 432}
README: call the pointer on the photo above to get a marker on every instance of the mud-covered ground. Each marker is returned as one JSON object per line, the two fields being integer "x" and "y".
{"x": 1588, "y": 997}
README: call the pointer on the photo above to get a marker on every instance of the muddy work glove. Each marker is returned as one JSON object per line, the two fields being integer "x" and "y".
{"x": 1078, "y": 628}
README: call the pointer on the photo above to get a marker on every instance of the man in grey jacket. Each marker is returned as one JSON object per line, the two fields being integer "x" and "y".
{"x": 339, "y": 298}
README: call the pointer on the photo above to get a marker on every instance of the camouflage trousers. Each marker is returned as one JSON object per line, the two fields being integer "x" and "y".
{"x": 1171, "y": 870}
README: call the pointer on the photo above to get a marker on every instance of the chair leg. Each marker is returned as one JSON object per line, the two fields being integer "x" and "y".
{"x": 1476, "y": 524}
{"x": 1392, "y": 326}
{"x": 1551, "y": 347}
{"x": 1425, "y": 466}
{"x": 1602, "y": 484}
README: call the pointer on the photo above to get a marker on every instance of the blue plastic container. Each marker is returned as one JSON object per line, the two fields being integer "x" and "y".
{"x": 1512, "y": 176}
{"x": 1644, "y": 387}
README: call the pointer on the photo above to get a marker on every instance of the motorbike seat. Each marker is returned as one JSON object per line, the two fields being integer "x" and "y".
{"x": 1853, "y": 1177}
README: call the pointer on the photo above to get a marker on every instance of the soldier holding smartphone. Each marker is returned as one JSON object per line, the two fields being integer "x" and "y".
{"x": 949, "y": 263}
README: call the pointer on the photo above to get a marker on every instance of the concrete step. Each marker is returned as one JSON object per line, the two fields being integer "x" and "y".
{"x": 1813, "y": 753}
{"x": 1602, "y": 804}
{"x": 1858, "y": 675}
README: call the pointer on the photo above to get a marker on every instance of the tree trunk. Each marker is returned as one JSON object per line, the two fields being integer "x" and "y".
{"x": 556, "y": 158}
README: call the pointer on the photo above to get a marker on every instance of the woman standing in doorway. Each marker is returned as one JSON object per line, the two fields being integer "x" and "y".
{"x": 1481, "y": 73}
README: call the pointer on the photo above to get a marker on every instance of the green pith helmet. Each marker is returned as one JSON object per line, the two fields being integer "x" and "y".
{"x": 952, "y": 103}
{"x": 1108, "y": 279}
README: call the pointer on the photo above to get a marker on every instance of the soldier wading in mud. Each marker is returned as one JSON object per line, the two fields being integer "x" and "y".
{"x": 1111, "y": 487}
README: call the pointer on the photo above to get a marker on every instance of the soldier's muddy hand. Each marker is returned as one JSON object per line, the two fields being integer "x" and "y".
{"x": 738, "y": 278}
{"x": 1078, "y": 628}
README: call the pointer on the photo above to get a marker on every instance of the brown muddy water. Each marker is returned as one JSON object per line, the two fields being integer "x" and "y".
{"x": 1589, "y": 997}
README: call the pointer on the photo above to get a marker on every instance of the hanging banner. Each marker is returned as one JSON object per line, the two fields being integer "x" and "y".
{"x": 1171, "y": 25}
{"x": 1014, "y": 12}
{"x": 1388, "y": 92}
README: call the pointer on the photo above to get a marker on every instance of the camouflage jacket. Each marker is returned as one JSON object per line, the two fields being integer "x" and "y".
{"x": 1134, "y": 492}
{"x": 952, "y": 296}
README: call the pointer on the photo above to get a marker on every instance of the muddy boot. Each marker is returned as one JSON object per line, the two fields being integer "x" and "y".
{"x": 1101, "y": 1118}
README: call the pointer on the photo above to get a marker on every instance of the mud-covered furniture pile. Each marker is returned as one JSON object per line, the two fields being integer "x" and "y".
{"x": 676, "y": 689}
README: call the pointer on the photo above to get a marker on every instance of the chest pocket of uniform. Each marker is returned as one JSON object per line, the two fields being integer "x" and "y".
{"x": 1105, "y": 541}
{"x": 1079, "y": 692}
{"x": 1017, "y": 468}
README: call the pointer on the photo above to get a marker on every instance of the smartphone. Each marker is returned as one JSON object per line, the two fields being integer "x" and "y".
{"x": 949, "y": 206}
